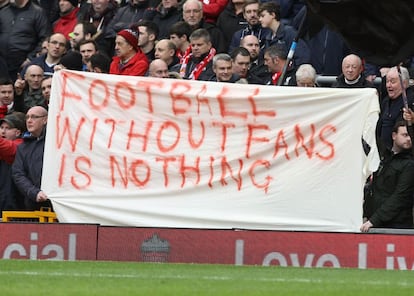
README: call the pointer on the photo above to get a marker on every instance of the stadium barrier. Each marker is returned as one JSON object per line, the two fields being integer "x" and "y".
{"x": 44, "y": 215}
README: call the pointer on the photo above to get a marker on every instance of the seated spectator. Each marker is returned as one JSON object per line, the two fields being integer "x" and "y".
{"x": 99, "y": 63}
{"x": 158, "y": 68}
{"x": 12, "y": 128}
{"x": 87, "y": 48}
{"x": 165, "y": 50}
{"x": 28, "y": 163}
{"x": 56, "y": 48}
{"x": 352, "y": 74}
{"x": 257, "y": 67}
{"x": 223, "y": 69}
{"x": 68, "y": 19}
{"x": 167, "y": 13}
{"x": 82, "y": 31}
{"x": 241, "y": 65}
{"x": 71, "y": 61}
{"x": 198, "y": 61}
{"x": 46, "y": 87}
{"x": 129, "y": 59}
{"x": 252, "y": 27}
{"x": 180, "y": 34}
{"x": 148, "y": 34}
{"x": 275, "y": 59}
{"x": 27, "y": 91}
{"x": 193, "y": 15}
{"x": 306, "y": 76}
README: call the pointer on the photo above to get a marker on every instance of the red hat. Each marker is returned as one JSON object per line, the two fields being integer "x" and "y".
{"x": 131, "y": 37}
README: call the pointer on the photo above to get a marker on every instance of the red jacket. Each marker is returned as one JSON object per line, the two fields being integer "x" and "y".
{"x": 66, "y": 23}
{"x": 136, "y": 66}
{"x": 212, "y": 9}
{"x": 8, "y": 149}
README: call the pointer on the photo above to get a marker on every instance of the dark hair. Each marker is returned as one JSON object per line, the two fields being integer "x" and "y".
{"x": 270, "y": 7}
{"x": 397, "y": 125}
{"x": 180, "y": 29}
{"x": 101, "y": 61}
{"x": 239, "y": 51}
{"x": 201, "y": 33}
{"x": 5, "y": 80}
{"x": 152, "y": 28}
{"x": 278, "y": 50}
{"x": 86, "y": 41}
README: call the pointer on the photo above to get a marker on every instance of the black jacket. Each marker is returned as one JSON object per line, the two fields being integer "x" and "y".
{"x": 391, "y": 202}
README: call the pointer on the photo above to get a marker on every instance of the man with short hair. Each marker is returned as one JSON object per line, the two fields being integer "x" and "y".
{"x": 165, "y": 50}
{"x": 223, "y": 69}
{"x": 81, "y": 31}
{"x": 148, "y": 34}
{"x": 46, "y": 87}
{"x": 241, "y": 65}
{"x": 99, "y": 63}
{"x": 198, "y": 64}
{"x": 6, "y": 96}
{"x": 27, "y": 91}
{"x": 87, "y": 48}
{"x": 391, "y": 202}
{"x": 56, "y": 48}
{"x": 180, "y": 34}
{"x": 12, "y": 128}
{"x": 158, "y": 68}
{"x": 28, "y": 163}
{"x": 275, "y": 59}
{"x": 193, "y": 15}
{"x": 257, "y": 68}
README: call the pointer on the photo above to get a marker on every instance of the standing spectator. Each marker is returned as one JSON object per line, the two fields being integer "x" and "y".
{"x": 269, "y": 17}
{"x": 6, "y": 96}
{"x": 166, "y": 15}
{"x": 81, "y": 31}
{"x": 198, "y": 61}
{"x": 133, "y": 12}
{"x": 231, "y": 20}
{"x": 129, "y": 59}
{"x": 180, "y": 34}
{"x": 391, "y": 203}
{"x": 158, "y": 68}
{"x": 23, "y": 26}
{"x": 392, "y": 104}
{"x": 253, "y": 26}
{"x": 99, "y": 63}
{"x": 56, "y": 48}
{"x": 275, "y": 59}
{"x": 69, "y": 11}
{"x": 28, "y": 163}
{"x": 12, "y": 128}
{"x": 352, "y": 74}
{"x": 165, "y": 50}
{"x": 148, "y": 34}
{"x": 27, "y": 91}
{"x": 100, "y": 13}
{"x": 193, "y": 15}
{"x": 87, "y": 48}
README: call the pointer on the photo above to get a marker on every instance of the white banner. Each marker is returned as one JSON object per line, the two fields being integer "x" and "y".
{"x": 139, "y": 151}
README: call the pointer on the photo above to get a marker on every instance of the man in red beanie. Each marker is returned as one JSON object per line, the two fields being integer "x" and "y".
{"x": 129, "y": 59}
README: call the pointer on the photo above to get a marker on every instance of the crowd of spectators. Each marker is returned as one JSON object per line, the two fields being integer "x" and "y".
{"x": 233, "y": 41}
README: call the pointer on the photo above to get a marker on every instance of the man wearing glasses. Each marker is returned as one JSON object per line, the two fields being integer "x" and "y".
{"x": 27, "y": 166}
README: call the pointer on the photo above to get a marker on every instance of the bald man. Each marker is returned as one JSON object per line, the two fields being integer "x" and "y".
{"x": 158, "y": 68}
{"x": 28, "y": 164}
{"x": 352, "y": 76}
{"x": 28, "y": 92}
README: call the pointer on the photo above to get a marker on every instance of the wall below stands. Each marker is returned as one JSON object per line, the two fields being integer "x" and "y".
{"x": 239, "y": 247}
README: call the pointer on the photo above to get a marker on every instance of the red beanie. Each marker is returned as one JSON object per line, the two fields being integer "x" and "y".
{"x": 131, "y": 37}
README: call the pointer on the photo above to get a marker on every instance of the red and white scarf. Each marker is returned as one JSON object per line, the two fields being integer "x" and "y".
{"x": 275, "y": 77}
{"x": 199, "y": 67}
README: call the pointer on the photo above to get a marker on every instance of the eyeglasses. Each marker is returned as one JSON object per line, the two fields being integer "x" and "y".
{"x": 55, "y": 42}
{"x": 34, "y": 116}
